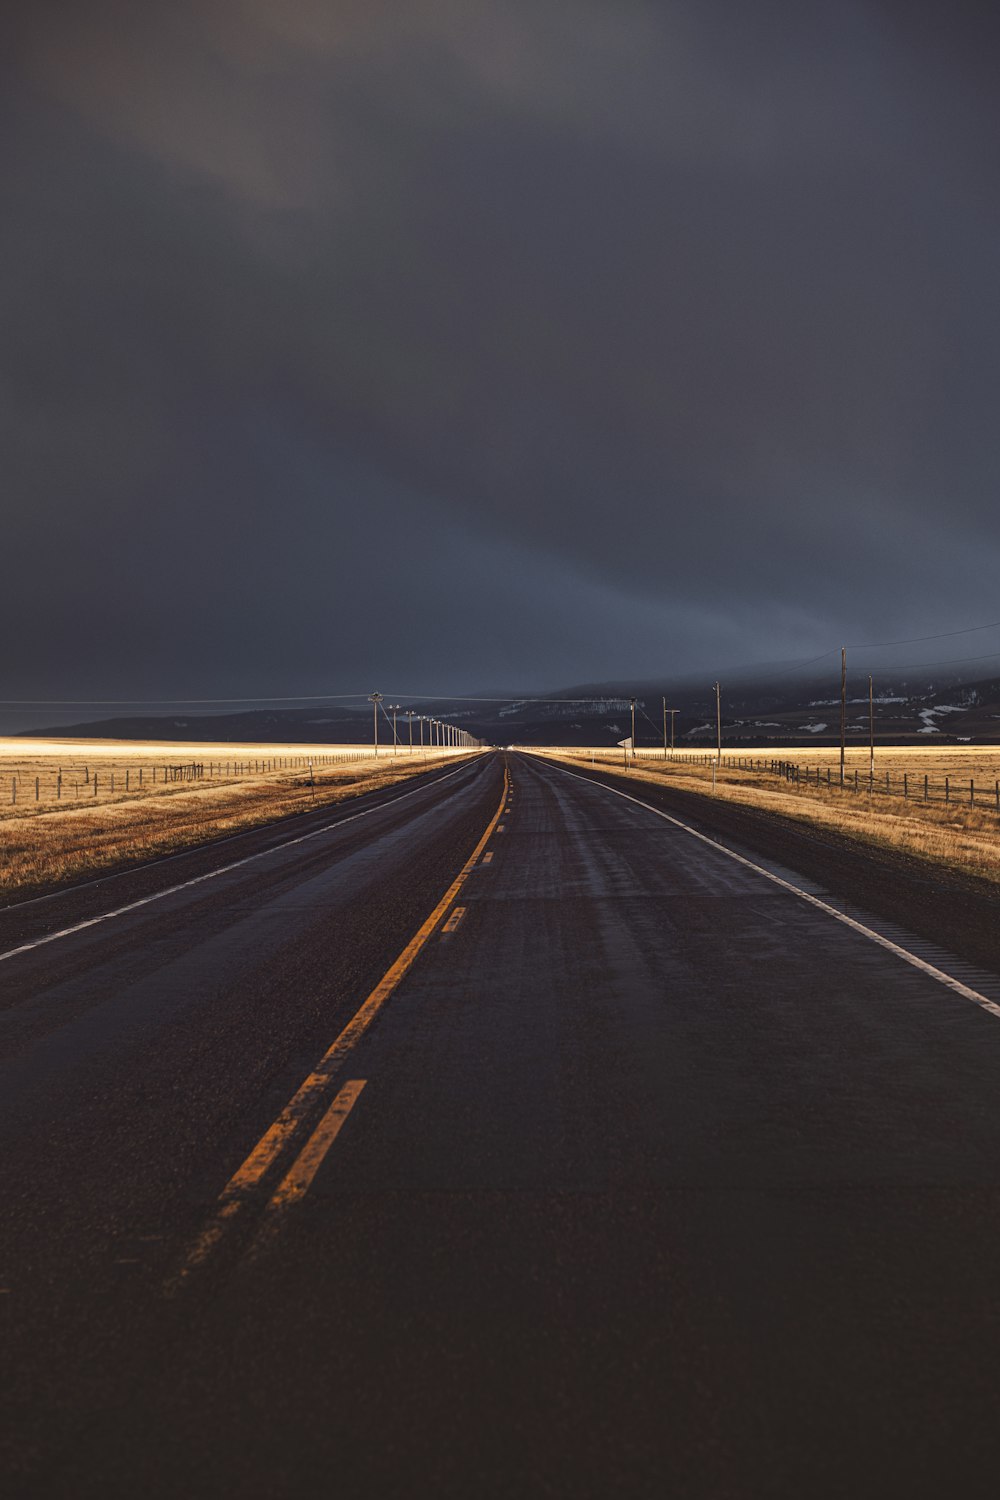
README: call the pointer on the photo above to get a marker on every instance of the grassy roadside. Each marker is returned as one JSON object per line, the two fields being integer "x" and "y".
{"x": 964, "y": 839}
{"x": 40, "y": 851}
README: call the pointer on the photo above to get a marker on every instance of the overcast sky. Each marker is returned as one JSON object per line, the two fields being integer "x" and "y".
{"x": 448, "y": 344}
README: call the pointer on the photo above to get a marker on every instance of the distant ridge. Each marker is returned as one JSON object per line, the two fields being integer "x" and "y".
{"x": 771, "y": 710}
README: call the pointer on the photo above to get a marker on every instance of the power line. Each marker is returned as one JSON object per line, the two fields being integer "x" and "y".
{"x": 951, "y": 661}
{"x": 306, "y": 698}
{"x": 172, "y": 702}
{"x": 796, "y": 666}
{"x": 811, "y": 661}
{"x": 302, "y": 698}
{"x": 913, "y": 640}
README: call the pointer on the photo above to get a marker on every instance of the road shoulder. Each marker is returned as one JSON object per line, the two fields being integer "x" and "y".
{"x": 957, "y": 912}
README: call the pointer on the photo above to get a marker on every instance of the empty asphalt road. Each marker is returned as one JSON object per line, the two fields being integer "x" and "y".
{"x": 493, "y": 1135}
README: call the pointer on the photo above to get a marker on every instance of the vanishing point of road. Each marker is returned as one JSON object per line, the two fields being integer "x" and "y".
{"x": 493, "y": 1135}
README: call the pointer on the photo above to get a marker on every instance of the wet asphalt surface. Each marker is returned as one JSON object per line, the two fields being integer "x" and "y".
{"x": 662, "y": 1181}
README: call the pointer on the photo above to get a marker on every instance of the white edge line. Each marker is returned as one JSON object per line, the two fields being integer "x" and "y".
{"x": 188, "y": 851}
{"x": 876, "y": 937}
{"x": 171, "y": 890}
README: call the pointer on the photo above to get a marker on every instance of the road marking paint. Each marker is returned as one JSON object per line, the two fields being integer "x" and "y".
{"x": 240, "y": 1187}
{"x": 454, "y": 919}
{"x": 488, "y": 858}
{"x": 121, "y": 911}
{"x": 298, "y": 1179}
{"x": 831, "y": 911}
{"x": 227, "y": 838}
{"x": 500, "y": 827}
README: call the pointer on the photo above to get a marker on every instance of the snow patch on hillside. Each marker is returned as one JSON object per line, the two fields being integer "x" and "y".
{"x": 928, "y": 715}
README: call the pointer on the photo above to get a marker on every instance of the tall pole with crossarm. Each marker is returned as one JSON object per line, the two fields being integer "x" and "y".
{"x": 375, "y": 699}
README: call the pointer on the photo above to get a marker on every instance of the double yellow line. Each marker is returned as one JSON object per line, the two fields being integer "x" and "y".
{"x": 242, "y": 1186}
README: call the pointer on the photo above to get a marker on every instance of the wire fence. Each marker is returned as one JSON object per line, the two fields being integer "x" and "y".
{"x": 951, "y": 789}
{"x": 34, "y": 784}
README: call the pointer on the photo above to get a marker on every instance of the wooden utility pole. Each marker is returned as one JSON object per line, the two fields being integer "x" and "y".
{"x": 843, "y": 709}
{"x": 871, "y": 730}
{"x": 718, "y": 723}
{"x": 375, "y": 699}
{"x": 664, "y": 729}
{"x": 633, "y": 731}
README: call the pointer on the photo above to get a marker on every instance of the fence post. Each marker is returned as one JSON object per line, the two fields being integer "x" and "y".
{"x": 925, "y": 788}
{"x": 906, "y": 785}
{"x": 972, "y": 791}
{"x": 946, "y": 789}
{"x": 36, "y": 788}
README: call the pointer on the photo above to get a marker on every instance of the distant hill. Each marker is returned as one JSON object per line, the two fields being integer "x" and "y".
{"x": 297, "y": 726}
{"x": 761, "y": 712}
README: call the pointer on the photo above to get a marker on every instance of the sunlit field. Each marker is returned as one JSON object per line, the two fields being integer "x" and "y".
{"x": 939, "y": 803}
{"x": 74, "y": 808}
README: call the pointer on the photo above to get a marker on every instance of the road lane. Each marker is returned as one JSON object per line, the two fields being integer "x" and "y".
{"x": 660, "y": 1181}
{"x": 39, "y": 920}
{"x": 139, "y": 1059}
{"x": 286, "y": 1129}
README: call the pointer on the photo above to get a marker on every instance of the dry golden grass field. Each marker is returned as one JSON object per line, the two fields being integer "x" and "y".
{"x": 956, "y": 824}
{"x": 73, "y": 808}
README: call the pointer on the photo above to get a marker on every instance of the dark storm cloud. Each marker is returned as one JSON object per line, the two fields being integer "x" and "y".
{"x": 459, "y": 343}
